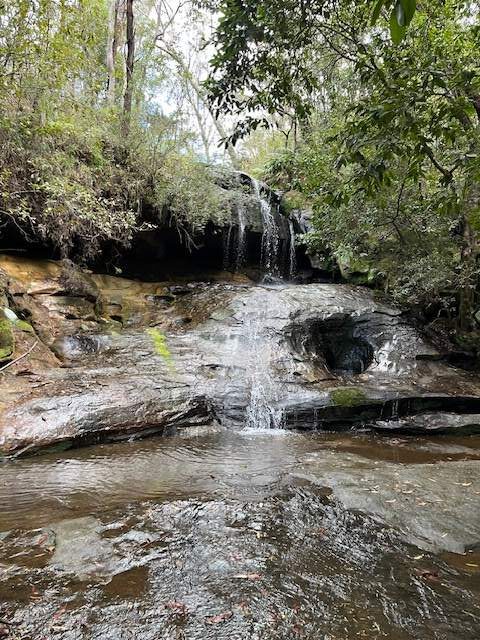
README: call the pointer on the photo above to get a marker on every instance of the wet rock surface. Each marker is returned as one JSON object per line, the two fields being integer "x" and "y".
{"x": 159, "y": 356}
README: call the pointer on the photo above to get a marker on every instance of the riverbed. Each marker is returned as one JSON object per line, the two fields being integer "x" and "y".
{"x": 244, "y": 534}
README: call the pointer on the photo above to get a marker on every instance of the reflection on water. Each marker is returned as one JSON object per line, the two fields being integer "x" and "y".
{"x": 239, "y": 535}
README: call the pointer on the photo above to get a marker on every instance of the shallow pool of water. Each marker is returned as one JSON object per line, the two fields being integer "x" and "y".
{"x": 244, "y": 535}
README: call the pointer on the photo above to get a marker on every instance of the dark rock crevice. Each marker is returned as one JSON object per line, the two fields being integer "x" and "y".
{"x": 385, "y": 415}
{"x": 342, "y": 343}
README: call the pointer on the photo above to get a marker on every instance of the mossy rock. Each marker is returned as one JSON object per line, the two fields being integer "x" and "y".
{"x": 23, "y": 325}
{"x": 356, "y": 269}
{"x": 7, "y": 340}
{"x": 160, "y": 344}
{"x": 347, "y": 397}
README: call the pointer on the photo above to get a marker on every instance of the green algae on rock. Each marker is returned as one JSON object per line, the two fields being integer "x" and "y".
{"x": 347, "y": 397}
{"x": 160, "y": 343}
{"x": 7, "y": 340}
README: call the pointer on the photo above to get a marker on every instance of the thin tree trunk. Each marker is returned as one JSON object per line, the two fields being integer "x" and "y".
{"x": 190, "y": 80}
{"x": 112, "y": 48}
{"x": 201, "y": 125}
{"x": 130, "y": 61}
{"x": 218, "y": 125}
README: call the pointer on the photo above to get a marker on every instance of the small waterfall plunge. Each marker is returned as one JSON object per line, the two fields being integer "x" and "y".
{"x": 261, "y": 411}
{"x": 292, "y": 258}
{"x": 277, "y": 244}
{"x": 241, "y": 238}
{"x": 271, "y": 235}
{"x": 235, "y": 235}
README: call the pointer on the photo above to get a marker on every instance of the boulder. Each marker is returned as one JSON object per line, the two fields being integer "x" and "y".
{"x": 302, "y": 356}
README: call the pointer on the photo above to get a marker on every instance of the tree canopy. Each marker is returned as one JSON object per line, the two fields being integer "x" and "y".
{"x": 101, "y": 116}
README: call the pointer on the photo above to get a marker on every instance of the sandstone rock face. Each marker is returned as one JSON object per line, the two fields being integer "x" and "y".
{"x": 301, "y": 356}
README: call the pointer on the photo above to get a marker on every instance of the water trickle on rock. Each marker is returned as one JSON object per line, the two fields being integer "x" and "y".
{"x": 262, "y": 411}
{"x": 241, "y": 237}
{"x": 292, "y": 261}
{"x": 271, "y": 235}
{"x": 277, "y": 242}
{"x": 235, "y": 241}
{"x": 227, "y": 238}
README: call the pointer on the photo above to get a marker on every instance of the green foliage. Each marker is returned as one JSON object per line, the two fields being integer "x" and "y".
{"x": 70, "y": 173}
{"x": 401, "y": 14}
{"x": 186, "y": 190}
{"x": 390, "y": 146}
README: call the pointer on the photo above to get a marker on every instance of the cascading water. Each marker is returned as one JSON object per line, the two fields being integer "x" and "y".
{"x": 277, "y": 251}
{"x": 227, "y": 238}
{"x": 292, "y": 261}
{"x": 257, "y": 351}
{"x": 241, "y": 238}
{"x": 238, "y": 240}
{"x": 270, "y": 236}
{"x": 261, "y": 412}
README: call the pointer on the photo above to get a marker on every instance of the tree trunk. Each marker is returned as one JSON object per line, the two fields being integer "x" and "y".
{"x": 218, "y": 125}
{"x": 201, "y": 124}
{"x": 130, "y": 61}
{"x": 112, "y": 47}
{"x": 192, "y": 82}
{"x": 467, "y": 291}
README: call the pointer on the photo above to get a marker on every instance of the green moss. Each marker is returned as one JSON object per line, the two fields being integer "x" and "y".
{"x": 7, "y": 341}
{"x": 347, "y": 397}
{"x": 160, "y": 344}
{"x": 24, "y": 326}
{"x": 355, "y": 268}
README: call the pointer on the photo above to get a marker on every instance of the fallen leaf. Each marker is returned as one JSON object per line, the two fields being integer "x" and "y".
{"x": 59, "y": 613}
{"x": 432, "y": 576}
{"x": 220, "y": 617}
{"x": 180, "y": 607}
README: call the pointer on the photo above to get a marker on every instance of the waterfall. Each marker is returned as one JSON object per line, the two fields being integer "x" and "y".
{"x": 261, "y": 412}
{"x": 241, "y": 237}
{"x": 239, "y": 240}
{"x": 270, "y": 236}
{"x": 227, "y": 236}
{"x": 292, "y": 262}
{"x": 235, "y": 238}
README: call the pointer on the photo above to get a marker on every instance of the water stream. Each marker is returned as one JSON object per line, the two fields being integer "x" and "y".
{"x": 237, "y": 535}
{"x": 262, "y": 411}
{"x": 270, "y": 237}
{"x": 292, "y": 256}
{"x": 241, "y": 238}
{"x": 235, "y": 238}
